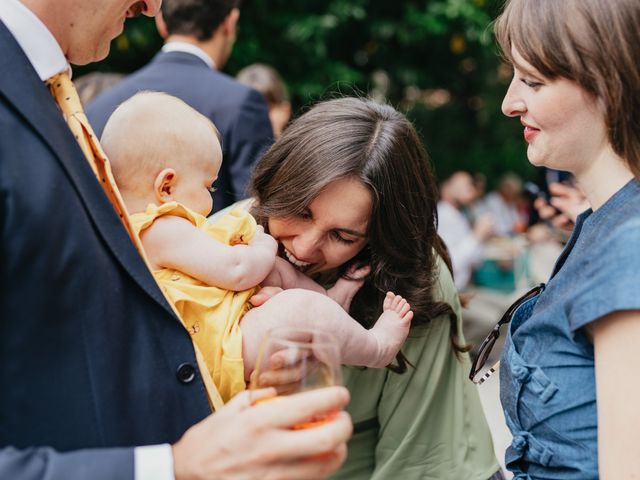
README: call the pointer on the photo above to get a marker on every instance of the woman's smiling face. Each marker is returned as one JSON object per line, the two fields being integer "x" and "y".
{"x": 331, "y": 231}
{"x": 563, "y": 126}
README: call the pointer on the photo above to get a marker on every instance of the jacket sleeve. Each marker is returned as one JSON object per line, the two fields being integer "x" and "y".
{"x": 47, "y": 464}
{"x": 250, "y": 136}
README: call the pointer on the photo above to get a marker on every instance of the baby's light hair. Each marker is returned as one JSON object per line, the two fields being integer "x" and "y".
{"x": 152, "y": 131}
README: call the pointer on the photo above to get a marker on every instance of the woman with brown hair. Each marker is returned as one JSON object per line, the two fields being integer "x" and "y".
{"x": 569, "y": 368}
{"x": 349, "y": 184}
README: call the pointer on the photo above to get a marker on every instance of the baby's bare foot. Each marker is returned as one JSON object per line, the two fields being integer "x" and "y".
{"x": 392, "y": 328}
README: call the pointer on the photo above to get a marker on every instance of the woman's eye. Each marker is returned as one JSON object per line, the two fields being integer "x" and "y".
{"x": 530, "y": 83}
{"x": 341, "y": 239}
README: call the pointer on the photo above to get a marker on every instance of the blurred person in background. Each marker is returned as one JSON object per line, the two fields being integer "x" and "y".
{"x": 464, "y": 241}
{"x": 266, "y": 80}
{"x": 92, "y": 84}
{"x": 504, "y": 206}
{"x": 199, "y": 37}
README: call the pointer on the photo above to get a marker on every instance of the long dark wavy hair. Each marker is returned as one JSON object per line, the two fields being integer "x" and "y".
{"x": 363, "y": 139}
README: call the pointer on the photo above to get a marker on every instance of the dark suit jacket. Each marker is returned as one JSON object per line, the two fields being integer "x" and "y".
{"x": 240, "y": 113}
{"x": 89, "y": 347}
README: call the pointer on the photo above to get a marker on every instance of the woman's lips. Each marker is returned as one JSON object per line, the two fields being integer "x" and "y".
{"x": 529, "y": 132}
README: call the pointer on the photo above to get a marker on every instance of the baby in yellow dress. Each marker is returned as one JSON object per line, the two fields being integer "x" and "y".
{"x": 165, "y": 157}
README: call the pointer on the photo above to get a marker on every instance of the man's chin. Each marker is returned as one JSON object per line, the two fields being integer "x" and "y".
{"x": 85, "y": 58}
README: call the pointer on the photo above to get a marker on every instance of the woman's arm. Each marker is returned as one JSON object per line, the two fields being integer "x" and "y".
{"x": 173, "y": 242}
{"x": 616, "y": 338}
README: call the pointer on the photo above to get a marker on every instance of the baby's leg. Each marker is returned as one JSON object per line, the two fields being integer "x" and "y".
{"x": 298, "y": 308}
{"x": 392, "y": 327}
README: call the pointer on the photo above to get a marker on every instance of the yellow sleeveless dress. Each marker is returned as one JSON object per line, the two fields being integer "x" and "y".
{"x": 210, "y": 314}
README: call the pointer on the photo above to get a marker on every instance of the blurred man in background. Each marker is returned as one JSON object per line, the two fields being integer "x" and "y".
{"x": 199, "y": 37}
{"x": 504, "y": 206}
{"x": 465, "y": 243}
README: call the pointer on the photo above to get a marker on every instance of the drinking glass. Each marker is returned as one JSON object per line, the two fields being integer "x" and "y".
{"x": 297, "y": 360}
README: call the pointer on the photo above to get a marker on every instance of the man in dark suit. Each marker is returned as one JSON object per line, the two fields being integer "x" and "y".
{"x": 94, "y": 362}
{"x": 199, "y": 37}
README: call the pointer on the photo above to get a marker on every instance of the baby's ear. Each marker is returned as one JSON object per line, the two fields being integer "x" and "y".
{"x": 164, "y": 185}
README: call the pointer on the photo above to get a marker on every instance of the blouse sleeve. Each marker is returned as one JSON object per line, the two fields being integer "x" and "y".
{"x": 611, "y": 277}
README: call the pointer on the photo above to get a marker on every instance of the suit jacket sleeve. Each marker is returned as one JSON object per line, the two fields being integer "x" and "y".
{"x": 47, "y": 464}
{"x": 250, "y": 136}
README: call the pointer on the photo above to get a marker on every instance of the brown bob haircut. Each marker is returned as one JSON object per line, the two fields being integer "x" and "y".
{"x": 595, "y": 43}
{"x": 376, "y": 144}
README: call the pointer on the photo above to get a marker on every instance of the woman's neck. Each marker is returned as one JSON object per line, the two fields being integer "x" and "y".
{"x": 603, "y": 177}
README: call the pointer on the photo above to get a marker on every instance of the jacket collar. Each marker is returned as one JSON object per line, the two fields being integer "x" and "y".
{"x": 21, "y": 87}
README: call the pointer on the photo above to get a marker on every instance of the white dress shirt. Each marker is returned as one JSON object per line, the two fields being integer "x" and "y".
{"x": 35, "y": 39}
{"x": 189, "y": 48}
{"x": 47, "y": 58}
{"x": 465, "y": 249}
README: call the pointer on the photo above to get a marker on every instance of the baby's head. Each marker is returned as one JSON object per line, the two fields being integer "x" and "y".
{"x": 162, "y": 150}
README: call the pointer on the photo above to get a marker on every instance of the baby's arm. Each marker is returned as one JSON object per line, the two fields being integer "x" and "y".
{"x": 174, "y": 242}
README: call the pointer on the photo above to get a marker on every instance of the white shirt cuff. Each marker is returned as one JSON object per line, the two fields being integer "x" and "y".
{"x": 153, "y": 462}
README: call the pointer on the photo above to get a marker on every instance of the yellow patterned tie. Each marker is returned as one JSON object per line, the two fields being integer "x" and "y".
{"x": 66, "y": 96}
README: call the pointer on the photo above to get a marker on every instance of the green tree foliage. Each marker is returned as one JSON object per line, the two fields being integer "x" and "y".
{"x": 436, "y": 60}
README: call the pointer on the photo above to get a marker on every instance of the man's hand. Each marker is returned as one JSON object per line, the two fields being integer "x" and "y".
{"x": 242, "y": 441}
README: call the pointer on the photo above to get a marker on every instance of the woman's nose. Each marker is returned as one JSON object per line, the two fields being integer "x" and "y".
{"x": 306, "y": 246}
{"x": 512, "y": 104}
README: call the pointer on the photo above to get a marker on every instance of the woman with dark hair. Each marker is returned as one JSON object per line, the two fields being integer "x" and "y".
{"x": 569, "y": 368}
{"x": 349, "y": 184}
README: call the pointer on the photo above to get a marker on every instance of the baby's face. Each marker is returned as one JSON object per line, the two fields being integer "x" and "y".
{"x": 194, "y": 182}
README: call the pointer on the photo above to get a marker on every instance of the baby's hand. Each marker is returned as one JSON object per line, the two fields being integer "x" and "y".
{"x": 265, "y": 241}
{"x": 263, "y": 295}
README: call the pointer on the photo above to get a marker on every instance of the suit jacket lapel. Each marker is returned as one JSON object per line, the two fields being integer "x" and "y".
{"x": 22, "y": 87}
